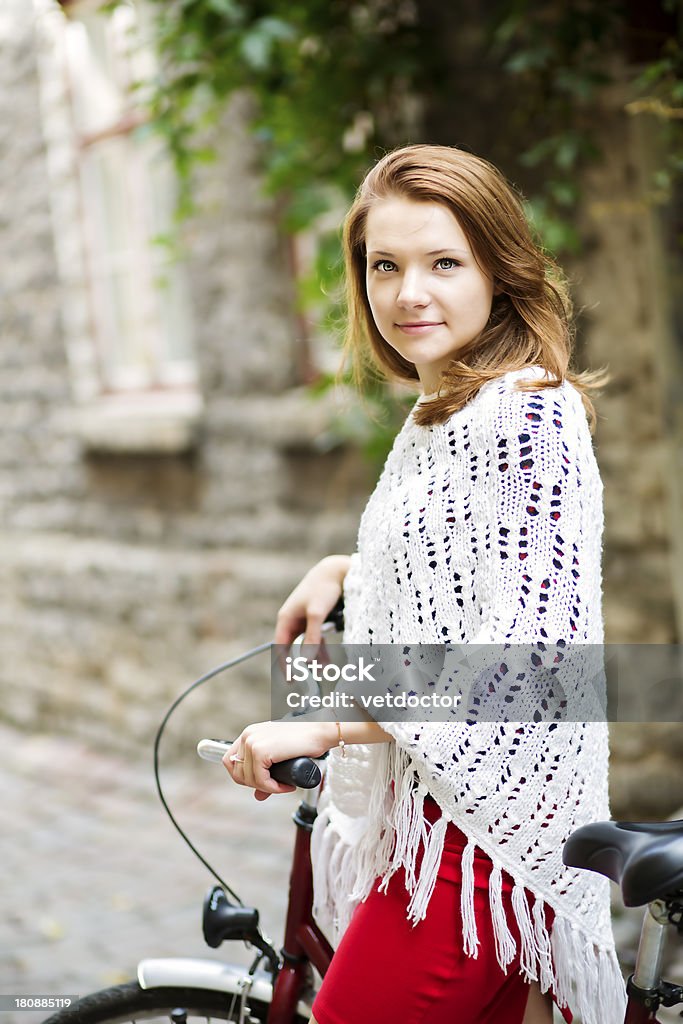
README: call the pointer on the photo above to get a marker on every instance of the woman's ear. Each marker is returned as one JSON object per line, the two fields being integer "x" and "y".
{"x": 497, "y": 288}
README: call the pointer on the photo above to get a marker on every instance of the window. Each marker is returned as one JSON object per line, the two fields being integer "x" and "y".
{"x": 139, "y": 305}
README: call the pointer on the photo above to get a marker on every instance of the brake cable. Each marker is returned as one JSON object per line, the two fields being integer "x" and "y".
{"x": 335, "y": 619}
{"x": 160, "y": 731}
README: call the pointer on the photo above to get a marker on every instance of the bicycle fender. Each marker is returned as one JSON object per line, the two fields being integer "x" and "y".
{"x": 192, "y": 972}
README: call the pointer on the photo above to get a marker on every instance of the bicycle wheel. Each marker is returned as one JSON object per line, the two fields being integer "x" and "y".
{"x": 129, "y": 1002}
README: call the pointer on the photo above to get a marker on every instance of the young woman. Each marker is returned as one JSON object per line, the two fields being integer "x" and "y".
{"x": 437, "y": 852}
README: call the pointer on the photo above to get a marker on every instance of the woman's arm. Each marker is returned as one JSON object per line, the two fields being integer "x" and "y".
{"x": 265, "y": 743}
{"x": 545, "y": 511}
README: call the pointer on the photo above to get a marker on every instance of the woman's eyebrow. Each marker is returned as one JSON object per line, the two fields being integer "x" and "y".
{"x": 432, "y": 252}
{"x": 440, "y": 252}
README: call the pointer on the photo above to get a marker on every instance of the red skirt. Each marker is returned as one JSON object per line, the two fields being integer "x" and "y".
{"x": 386, "y": 969}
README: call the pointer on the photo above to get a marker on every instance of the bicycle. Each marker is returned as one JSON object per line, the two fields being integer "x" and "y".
{"x": 645, "y": 859}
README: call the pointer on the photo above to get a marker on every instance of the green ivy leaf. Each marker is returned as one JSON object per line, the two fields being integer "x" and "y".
{"x": 256, "y": 48}
{"x": 565, "y": 192}
{"x": 227, "y": 8}
{"x": 529, "y": 60}
{"x": 567, "y": 152}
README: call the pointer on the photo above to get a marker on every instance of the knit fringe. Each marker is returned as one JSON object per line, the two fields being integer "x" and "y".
{"x": 527, "y": 952}
{"x": 409, "y": 829}
{"x": 373, "y": 853}
{"x": 322, "y": 841}
{"x": 417, "y": 908}
{"x": 506, "y": 947}
{"x": 581, "y": 974}
{"x": 586, "y": 977}
{"x": 332, "y": 861}
{"x": 543, "y": 947}
{"x": 335, "y": 871}
{"x": 470, "y": 938}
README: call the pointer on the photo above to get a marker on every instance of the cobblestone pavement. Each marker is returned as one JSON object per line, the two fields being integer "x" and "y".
{"x": 95, "y": 878}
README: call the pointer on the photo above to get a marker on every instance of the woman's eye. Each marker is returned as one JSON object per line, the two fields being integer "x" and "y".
{"x": 385, "y": 266}
{"x": 446, "y": 263}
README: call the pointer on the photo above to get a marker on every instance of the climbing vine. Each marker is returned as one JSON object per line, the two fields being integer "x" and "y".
{"x": 324, "y": 75}
{"x": 337, "y": 81}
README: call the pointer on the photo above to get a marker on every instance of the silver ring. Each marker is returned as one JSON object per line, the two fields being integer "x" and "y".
{"x": 236, "y": 760}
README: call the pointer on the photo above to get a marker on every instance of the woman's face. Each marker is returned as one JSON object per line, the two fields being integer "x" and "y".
{"x": 428, "y": 295}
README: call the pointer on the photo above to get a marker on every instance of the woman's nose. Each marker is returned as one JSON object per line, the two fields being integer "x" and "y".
{"x": 412, "y": 290}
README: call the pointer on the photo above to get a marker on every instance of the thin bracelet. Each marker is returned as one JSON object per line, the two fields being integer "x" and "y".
{"x": 341, "y": 744}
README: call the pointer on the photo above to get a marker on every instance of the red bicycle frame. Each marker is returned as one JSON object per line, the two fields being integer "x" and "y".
{"x": 304, "y": 942}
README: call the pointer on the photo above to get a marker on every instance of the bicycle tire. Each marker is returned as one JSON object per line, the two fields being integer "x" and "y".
{"x": 130, "y": 1002}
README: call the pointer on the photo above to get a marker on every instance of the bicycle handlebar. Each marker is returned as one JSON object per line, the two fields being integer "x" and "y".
{"x": 302, "y": 772}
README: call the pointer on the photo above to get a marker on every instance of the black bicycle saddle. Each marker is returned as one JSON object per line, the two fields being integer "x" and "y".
{"x": 644, "y": 858}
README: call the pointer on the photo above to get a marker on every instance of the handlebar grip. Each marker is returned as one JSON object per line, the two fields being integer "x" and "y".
{"x": 297, "y": 771}
{"x": 336, "y": 615}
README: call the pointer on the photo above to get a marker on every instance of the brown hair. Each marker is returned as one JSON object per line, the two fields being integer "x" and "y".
{"x": 531, "y": 317}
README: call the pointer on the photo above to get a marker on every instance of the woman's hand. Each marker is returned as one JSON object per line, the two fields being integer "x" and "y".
{"x": 310, "y": 602}
{"x": 261, "y": 745}
{"x": 265, "y": 743}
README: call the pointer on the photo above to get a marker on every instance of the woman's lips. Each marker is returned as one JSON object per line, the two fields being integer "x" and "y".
{"x": 419, "y": 327}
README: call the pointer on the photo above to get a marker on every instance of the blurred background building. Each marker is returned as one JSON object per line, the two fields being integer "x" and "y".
{"x": 166, "y": 477}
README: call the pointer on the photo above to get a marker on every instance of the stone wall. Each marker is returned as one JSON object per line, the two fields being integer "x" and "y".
{"x": 622, "y": 289}
{"x": 127, "y": 574}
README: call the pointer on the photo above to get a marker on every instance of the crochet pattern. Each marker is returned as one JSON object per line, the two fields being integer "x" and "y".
{"x": 485, "y": 529}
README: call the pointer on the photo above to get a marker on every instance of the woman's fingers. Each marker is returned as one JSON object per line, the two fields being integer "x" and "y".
{"x": 314, "y": 625}
{"x": 237, "y": 761}
{"x": 309, "y": 603}
{"x": 249, "y": 766}
{"x": 288, "y": 626}
{"x": 257, "y": 768}
{"x": 233, "y": 761}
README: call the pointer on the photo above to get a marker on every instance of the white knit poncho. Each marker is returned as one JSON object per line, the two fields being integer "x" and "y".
{"x": 485, "y": 529}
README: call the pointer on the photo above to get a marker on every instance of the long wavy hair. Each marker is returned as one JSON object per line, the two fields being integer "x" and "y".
{"x": 531, "y": 321}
